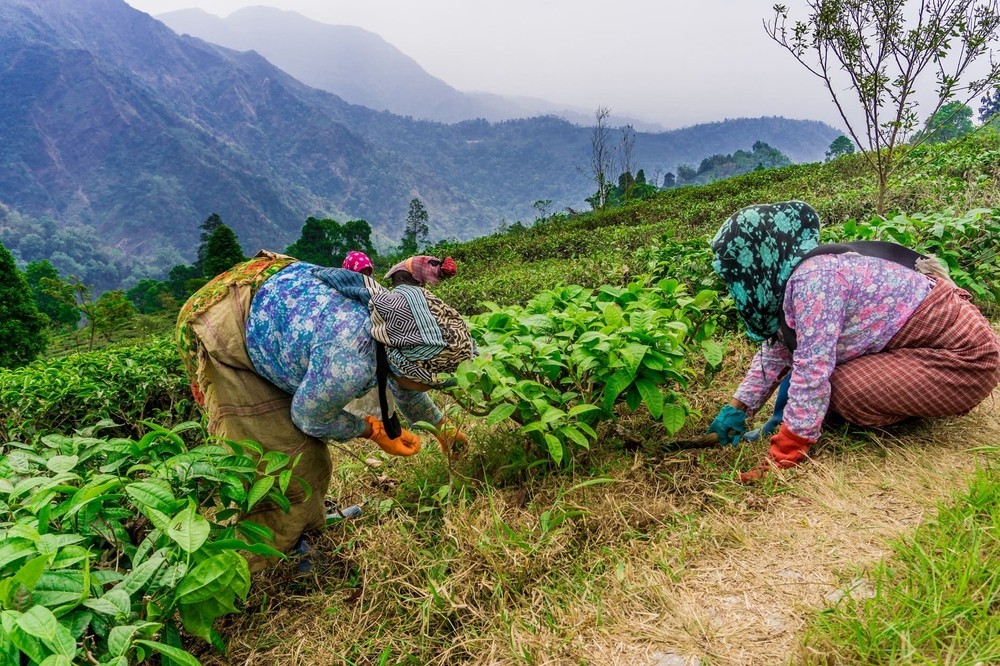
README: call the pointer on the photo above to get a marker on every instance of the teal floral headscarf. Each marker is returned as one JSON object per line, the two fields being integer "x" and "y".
{"x": 756, "y": 251}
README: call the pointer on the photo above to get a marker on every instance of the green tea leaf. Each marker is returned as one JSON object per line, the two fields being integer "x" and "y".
{"x": 652, "y": 396}
{"x": 189, "y": 529}
{"x": 673, "y": 417}
{"x": 500, "y": 413}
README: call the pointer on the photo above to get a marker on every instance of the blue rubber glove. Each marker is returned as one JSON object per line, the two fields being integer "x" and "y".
{"x": 771, "y": 427}
{"x": 729, "y": 425}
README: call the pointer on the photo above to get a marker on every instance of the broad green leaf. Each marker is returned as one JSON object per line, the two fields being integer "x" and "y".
{"x": 60, "y": 464}
{"x": 571, "y": 433}
{"x": 137, "y": 579}
{"x": 177, "y": 655}
{"x": 115, "y": 603}
{"x": 555, "y": 448}
{"x": 673, "y": 417}
{"x": 57, "y": 660}
{"x": 714, "y": 352}
{"x": 583, "y": 409}
{"x": 214, "y": 577}
{"x": 189, "y": 529}
{"x": 259, "y": 489}
{"x": 38, "y": 621}
{"x": 617, "y": 383}
{"x": 499, "y": 413}
{"x": 25, "y": 642}
{"x": 155, "y": 493}
{"x": 652, "y": 396}
{"x": 121, "y": 637}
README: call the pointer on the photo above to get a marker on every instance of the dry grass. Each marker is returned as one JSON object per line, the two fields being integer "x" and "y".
{"x": 669, "y": 563}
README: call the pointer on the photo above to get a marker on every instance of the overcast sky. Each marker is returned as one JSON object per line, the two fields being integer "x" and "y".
{"x": 674, "y": 62}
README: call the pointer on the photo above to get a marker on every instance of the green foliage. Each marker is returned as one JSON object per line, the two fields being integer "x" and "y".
{"x": 933, "y": 601}
{"x": 969, "y": 243}
{"x": 105, "y": 548}
{"x": 150, "y": 296}
{"x": 206, "y": 229}
{"x": 716, "y": 167}
{"x": 126, "y": 384}
{"x": 558, "y": 366}
{"x": 62, "y": 315}
{"x": 326, "y": 242}
{"x": 952, "y": 121}
{"x": 23, "y": 334}
{"x": 990, "y": 107}
{"x": 608, "y": 247}
{"x": 886, "y": 50}
{"x": 415, "y": 232}
{"x": 222, "y": 251}
{"x": 840, "y": 146}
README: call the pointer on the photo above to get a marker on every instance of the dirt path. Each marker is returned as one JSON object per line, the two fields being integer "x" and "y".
{"x": 747, "y": 601}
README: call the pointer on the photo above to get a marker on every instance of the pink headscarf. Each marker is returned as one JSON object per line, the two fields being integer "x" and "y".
{"x": 425, "y": 269}
{"x": 357, "y": 261}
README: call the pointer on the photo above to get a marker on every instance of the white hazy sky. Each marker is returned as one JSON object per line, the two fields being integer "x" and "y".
{"x": 674, "y": 62}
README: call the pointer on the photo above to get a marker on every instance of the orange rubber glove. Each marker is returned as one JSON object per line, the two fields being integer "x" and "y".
{"x": 405, "y": 445}
{"x": 453, "y": 441}
{"x": 787, "y": 450}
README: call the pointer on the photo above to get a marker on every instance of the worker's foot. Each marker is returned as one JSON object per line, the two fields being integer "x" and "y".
{"x": 347, "y": 513}
{"x": 304, "y": 550}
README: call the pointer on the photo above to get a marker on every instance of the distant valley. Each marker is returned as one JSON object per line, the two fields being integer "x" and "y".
{"x": 120, "y": 137}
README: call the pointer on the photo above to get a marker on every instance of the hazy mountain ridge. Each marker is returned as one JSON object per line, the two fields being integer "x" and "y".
{"x": 117, "y": 129}
{"x": 361, "y": 67}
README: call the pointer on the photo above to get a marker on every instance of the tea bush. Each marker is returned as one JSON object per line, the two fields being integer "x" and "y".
{"x": 558, "y": 366}
{"x": 126, "y": 383}
{"x": 109, "y": 546}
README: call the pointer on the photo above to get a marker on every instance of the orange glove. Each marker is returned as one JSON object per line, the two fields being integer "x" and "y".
{"x": 453, "y": 441}
{"x": 787, "y": 450}
{"x": 405, "y": 445}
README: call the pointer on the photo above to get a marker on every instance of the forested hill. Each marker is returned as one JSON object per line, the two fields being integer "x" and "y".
{"x": 120, "y": 137}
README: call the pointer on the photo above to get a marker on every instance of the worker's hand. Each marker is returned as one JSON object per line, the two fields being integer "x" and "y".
{"x": 729, "y": 425}
{"x": 405, "y": 445}
{"x": 787, "y": 450}
{"x": 765, "y": 430}
{"x": 453, "y": 441}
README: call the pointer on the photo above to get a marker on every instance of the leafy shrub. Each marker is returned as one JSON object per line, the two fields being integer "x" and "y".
{"x": 559, "y": 365}
{"x": 968, "y": 243}
{"x": 105, "y": 553}
{"x": 125, "y": 384}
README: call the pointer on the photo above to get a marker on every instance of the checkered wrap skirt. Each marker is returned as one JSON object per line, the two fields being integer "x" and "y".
{"x": 944, "y": 361}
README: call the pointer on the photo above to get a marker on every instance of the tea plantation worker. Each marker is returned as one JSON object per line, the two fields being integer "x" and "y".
{"x": 870, "y": 331}
{"x": 426, "y": 271}
{"x": 275, "y": 348}
{"x": 358, "y": 262}
{"x": 421, "y": 270}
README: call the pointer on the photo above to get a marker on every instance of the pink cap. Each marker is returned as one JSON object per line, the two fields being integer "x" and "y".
{"x": 357, "y": 261}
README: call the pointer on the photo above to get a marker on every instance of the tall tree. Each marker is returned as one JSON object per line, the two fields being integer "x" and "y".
{"x": 840, "y": 146}
{"x": 415, "y": 233}
{"x": 885, "y": 48}
{"x": 326, "y": 242}
{"x": 23, "y": 334}
{"x": 601, "y": 157}
{"x": 222, "y": 251}
{"x": 316, "y": 242}
{"x": 208, "y": 227}
{"x": 61, "y": 315}
{"x": 953, "y": 120}
{"x": 627, "y": 162}
{"x": 990, "y": 106}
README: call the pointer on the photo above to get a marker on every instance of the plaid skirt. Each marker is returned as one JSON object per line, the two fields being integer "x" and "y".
{"x": 944, "y": 361}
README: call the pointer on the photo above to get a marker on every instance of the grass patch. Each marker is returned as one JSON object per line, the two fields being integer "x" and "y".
{"x": 935, "y": 600}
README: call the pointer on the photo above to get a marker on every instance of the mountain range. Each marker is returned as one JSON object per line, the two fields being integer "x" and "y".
{"x": 120, "y": 137}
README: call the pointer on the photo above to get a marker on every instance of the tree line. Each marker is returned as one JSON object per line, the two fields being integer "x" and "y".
{"x": 38, "y": 302}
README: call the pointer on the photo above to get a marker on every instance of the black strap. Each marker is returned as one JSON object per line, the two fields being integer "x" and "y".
{"x": 893, "y": 252}
{"x": 390, "y": 423}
